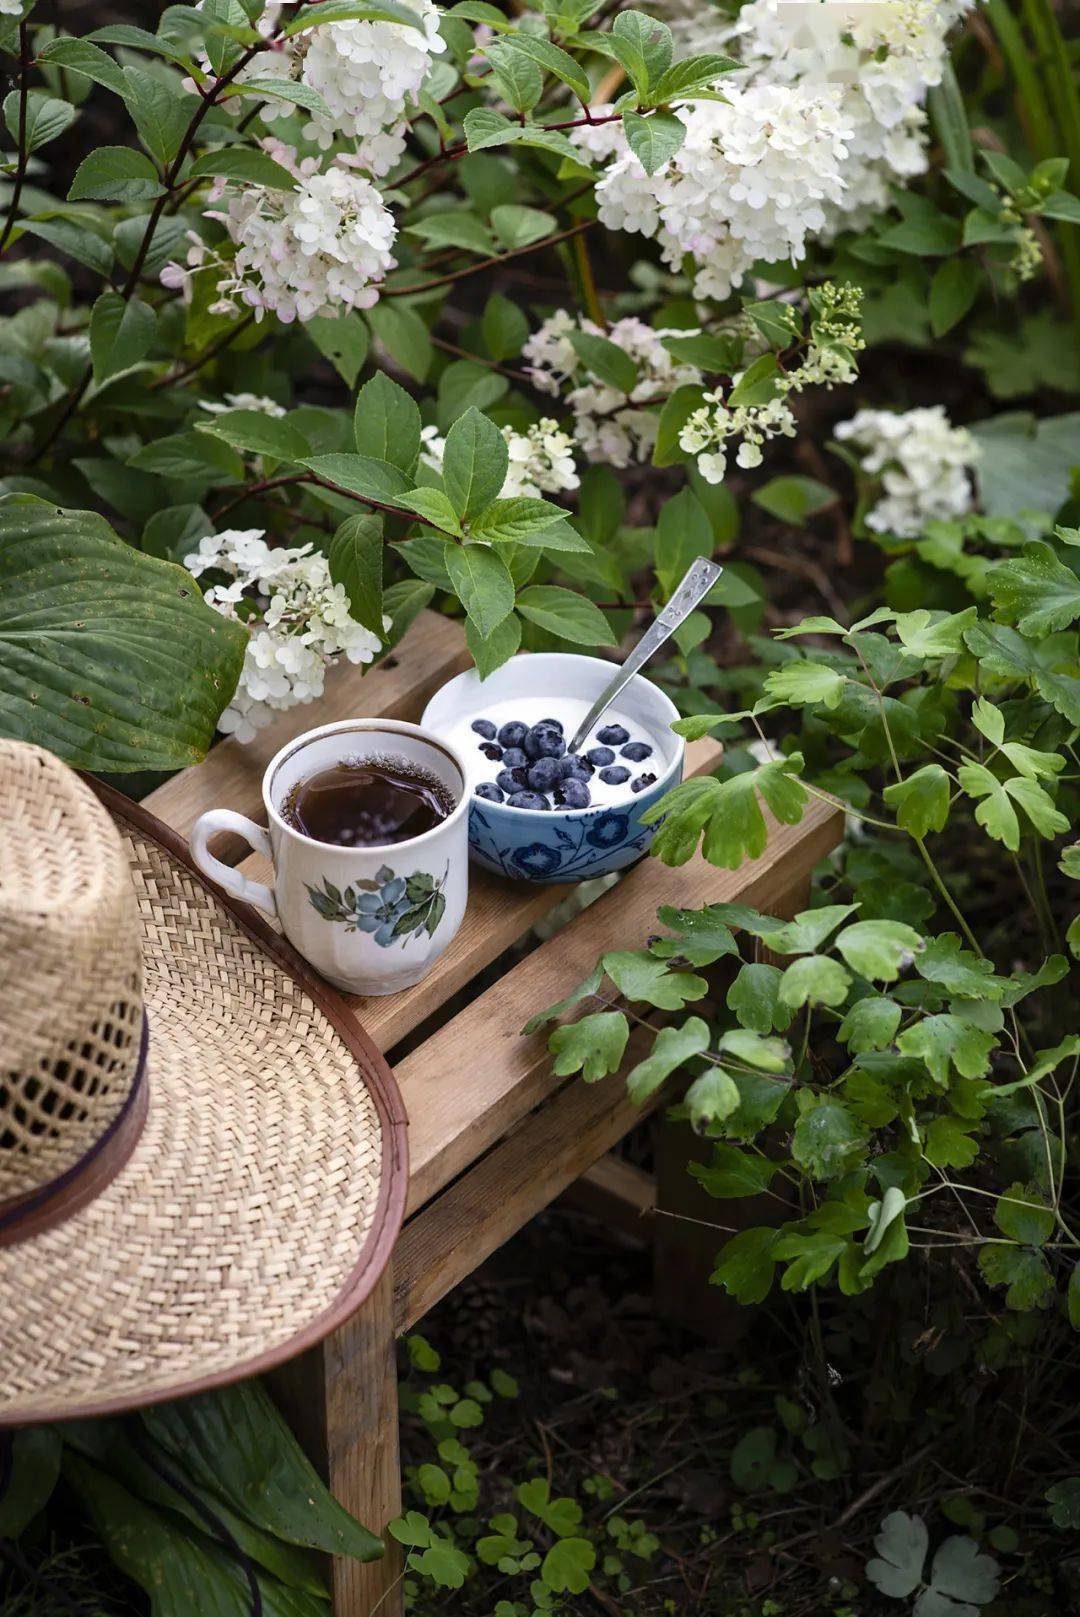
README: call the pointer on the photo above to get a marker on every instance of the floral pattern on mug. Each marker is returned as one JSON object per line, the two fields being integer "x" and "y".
{"x": 389, "y": 907}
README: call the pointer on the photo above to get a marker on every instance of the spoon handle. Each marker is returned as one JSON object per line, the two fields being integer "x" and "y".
{"x": 699, "y": 579}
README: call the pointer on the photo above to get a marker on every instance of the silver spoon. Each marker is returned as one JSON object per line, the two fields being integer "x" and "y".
{"x": 700, "y": 577}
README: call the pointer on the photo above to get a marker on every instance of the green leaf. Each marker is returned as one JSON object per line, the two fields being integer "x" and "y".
{"x": 643, "y": 46}
{"x": 1036, "y": 589}
{"x": 482, "y": 584}
{"x": 694, "y": 73}
{"x": 1023, "y": 1271}
{"x": 433, "y": 507}
{"x": 754, "y": 997}
{"x": 594, "y": 1046}
{"x": 404, "y": 335}
{"x": 121, "y": 333}
{"x": 805, "y": 684}
{"x": 757, "y": 384}
{"x": 521, "y": 520}
{"x": 246, "y": 164}
{"x": 959, "y": 971}
{"x": 995, "y": 811}
{"x": 553, "y": 60}
{"x": 734, "y": 1173}
{"x": 814, "y": 979}
{"x": 160, "y": 111}
{"x": 491, "y": 651}
{"x": 256, "y": 433}
{"x": 793, "y": 499}
{"x": 518, "y": 226}
{"x": 474, "y": 464}
{"x": 519, "y": 82}
{"x": 372, "y": 479}
{"x": 356, "y": 563}
{"x": 33, "y": 1470}
{"x": 313, "y": 16}
{"x": 901, "y": 1545}
{"x": 565, "y": 613}
{"x": 82, "y": 245}
{"x": 505, "y": 328}
{"x": 454, "y": 229}
{"x": 386, "y": 423}
{"x": 484, "y": 127}
{"x": 1023, "y": 1216}
{"x": 948, "y": 1143}
{"x": 1064, "y": 1501}
{"x": 344, "y": 342}
{"x": 673, "y": 418}
{"x": 827, "y": 1140}
{"x": 921, "y": 800}
{"x": 934, "y": 634}
{"x": 46, "y": 117}
{"x": 190, "y": 457}
{"x": 807, "y": 932}
{"x": 728, "y": 813}
{"x": 960, "y": 1572}
{"x": 941, "y": 1040}
{"x": 870, "y": 1024}
{"x": 779, "y": 323}
{"x": 771, "y": 1055}
{"x": 606, "y": 360}
{"x": 109, "y": 658}
{"x": 702, "y": 938}
{"x": 639, "y": 976}
{"x": 953, "y": 290}
{"x": 234, "y": 1443}
{"x": 292, "y": 91}
{"x": 655, "y": 139}
{"x": 443, "y": 1563}
{"x": 567, "y": 1565}
{"x": 745, "y": 1266}
{"x": 712, "y": 1097}
{"x": 115, "y": 174}
{"x": 673, "y": 1047}
{"x": 80, "y": 56}
{"x": 683, "y": 533}
{"x": 1072, "y": 1297}
{"x": 880, "y": 950}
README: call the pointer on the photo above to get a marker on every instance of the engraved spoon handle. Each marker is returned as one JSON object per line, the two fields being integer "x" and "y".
{"x": 700, "y": 577}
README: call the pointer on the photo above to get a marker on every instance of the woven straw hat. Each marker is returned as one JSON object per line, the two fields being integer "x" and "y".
{"x": 202, "y": 1162}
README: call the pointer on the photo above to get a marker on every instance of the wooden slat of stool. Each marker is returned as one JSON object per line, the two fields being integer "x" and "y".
{"x": 431, "y": 652}
{"x": 499, "y": 913}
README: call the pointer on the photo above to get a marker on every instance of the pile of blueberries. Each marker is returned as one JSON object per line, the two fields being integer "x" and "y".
{"x": 537, "y": 772}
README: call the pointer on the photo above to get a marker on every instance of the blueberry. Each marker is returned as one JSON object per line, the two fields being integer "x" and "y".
{"x": 513, "y": 733}
{"x": 600, "y": 756}
{"x": 541, "y": 743}
{"x": 489, "y": 792}
{"x": 490, "y": 750}
{"x": 514, "y": 758}
{"x": 579, "y": 769}
{"x": 544, "y": 773}
{"x": 485, "y": 728}
{"x": 574, "y": 794}
{"x": 636, "y": 751}
{"x": 566, "y": 765}
{"x": 528, "y": 800}
{"x": 642, "y": 781}
{"x": 614, "y": 776}
{"x": 511, "y": 780}
{"x": 548, "y": 724}
{"x": 612, "y": 735}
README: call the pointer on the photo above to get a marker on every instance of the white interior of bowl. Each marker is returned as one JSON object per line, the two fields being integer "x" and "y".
{"x": 555, "y": 674}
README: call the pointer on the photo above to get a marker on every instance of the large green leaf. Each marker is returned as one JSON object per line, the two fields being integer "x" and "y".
{"x": 235, "y": 1443}
{"x": 109, "y": 658}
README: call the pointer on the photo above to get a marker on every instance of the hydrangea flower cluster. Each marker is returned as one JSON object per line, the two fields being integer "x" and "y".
{"x": 243, "y": 401}
{"x": 826, "y": 115}
{"x": 369, "y": 73}
{"x": 317, "y": 250}
{"x": 608, "y": 425}
{"x": 828, "y": 361}
{"x": 923, "y": 462}
{"x": 541, "y": 459}
{"x": 299, "y": 620}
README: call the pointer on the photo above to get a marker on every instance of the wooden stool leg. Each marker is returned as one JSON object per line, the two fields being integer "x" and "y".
{"x": 685, "y": 1247}
{"x": 341, "y": 1401}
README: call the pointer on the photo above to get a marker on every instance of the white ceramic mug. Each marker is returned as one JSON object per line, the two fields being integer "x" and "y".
{"x": 372, "y": 920}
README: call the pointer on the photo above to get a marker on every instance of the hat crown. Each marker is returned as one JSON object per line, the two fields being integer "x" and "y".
{"x": 71, "y": 1003}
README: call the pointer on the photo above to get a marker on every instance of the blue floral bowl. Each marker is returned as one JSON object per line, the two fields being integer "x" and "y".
{"x": 562, "y": 845}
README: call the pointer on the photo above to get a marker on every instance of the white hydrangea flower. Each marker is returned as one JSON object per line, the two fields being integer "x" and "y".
{"x": 541, "y": 459}
{"x": 242, "y": 401}
{"x": 608, "y": 425}
{"x": 321, "y": 249}
{"x": 753, "y": 179}
{"x": 302, "y": 624}
{"x": 924, "y": 464}
{"x": 709, "y": 430}
{"x": 369, "y": 74}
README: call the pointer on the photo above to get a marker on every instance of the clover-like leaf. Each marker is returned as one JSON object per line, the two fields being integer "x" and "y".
{"x": 901, "y": 1545}
{"x": 640, "y": 976}
{"x": 921, "y": 800}
{"x": 594, "y": 1046}
{"x": 879, "y": 950}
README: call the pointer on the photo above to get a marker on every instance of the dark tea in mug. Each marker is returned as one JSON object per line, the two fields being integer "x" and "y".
{"x": 368, "y": 803}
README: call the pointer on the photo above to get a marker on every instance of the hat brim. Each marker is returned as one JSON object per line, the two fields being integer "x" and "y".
{"x": 262, "y": 1199}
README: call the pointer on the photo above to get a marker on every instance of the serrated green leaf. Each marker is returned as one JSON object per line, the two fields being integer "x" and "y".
{"x": 921, "y": 800}
{"x": 565, "y": 613}
{"x": 245, "y": 164}
{"x": 474, "y": 464}
{"x": 1023, "y": 1271}
{"x": 482, "y": 584}
{"x": 654, "y": 140}
{"x": 734, "y": 1173}
{"x": 1036, "y": 589}
{"x": 115, "y": 174}
{"x": 944, "y": 1039}
{"x": 121, "y": 333}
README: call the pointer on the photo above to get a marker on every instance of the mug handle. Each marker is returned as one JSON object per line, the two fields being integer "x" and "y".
{"x": 235, "y": 883}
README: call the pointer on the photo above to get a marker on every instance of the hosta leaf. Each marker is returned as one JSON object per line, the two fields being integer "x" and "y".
{"x": 672, "y": 1048}
{"x": 594, "y": 1046}
{"x": 107, "y": 657}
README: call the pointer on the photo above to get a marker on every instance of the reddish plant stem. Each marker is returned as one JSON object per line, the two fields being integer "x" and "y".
{"x": 211, "y": 353}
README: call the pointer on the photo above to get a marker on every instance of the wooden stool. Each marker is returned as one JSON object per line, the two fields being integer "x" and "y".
{"x": 494, "y": 1136}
